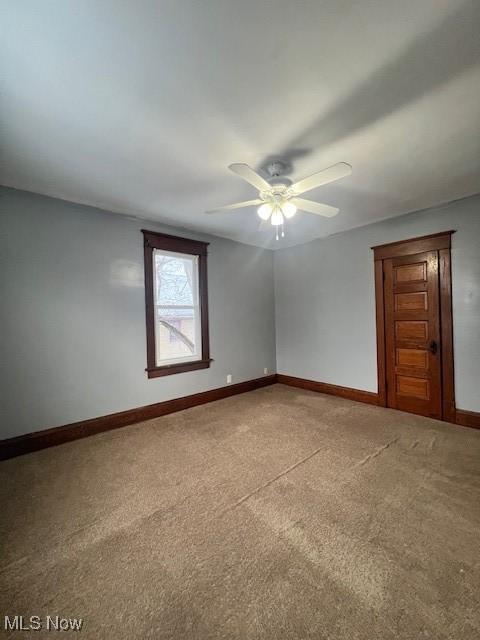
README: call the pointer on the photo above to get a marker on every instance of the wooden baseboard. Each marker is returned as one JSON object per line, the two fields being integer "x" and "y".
{"x": 58, "y": 435}
{"x": 462, "y": 417}
{"x": 467, "y": 418}
{"x": 331, "y": 389}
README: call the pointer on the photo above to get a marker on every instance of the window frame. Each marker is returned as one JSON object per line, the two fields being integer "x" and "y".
{"x": 163, "y": 242}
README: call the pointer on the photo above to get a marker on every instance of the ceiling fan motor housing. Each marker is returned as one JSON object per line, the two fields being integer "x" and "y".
{"x": 279, "y": 180}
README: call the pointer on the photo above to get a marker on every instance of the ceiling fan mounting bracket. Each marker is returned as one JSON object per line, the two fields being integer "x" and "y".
{"x": 276, "y": 169}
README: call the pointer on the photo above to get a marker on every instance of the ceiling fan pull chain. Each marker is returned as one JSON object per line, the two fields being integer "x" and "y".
{"x": 283, "y": 232}
{"x": 276, "y": 233}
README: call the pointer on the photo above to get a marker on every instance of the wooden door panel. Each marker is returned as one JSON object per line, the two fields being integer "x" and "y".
{"x": 411, "y": 330}
{"x": 412, "y": 333}
{"x": 412, "y": 358}
{"x": 416, "y": 301}
{"x": 412, "y": 387}
{"x": 410, "y": 273}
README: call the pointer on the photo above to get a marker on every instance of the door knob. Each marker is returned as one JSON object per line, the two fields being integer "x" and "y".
{"x": 432, "y": 347}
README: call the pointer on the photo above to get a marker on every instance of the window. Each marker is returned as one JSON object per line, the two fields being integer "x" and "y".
{"x": 176, "y": 304}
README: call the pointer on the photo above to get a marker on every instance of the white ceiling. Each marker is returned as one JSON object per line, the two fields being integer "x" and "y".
{"x": 139, "y": 106}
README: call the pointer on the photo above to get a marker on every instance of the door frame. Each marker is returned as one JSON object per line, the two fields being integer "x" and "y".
{"x": 440, "y": 242}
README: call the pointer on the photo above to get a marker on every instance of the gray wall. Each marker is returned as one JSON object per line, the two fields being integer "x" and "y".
{"x": 72, "y": 310}
{"x": 325, "y": 300}
{"x": 73, "y": 319}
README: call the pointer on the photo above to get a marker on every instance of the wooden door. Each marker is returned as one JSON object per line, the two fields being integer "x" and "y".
{"x": 412, "y": 333}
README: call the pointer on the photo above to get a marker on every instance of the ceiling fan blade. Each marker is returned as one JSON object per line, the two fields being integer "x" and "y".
{"x": 335, "y": 172}
{"x": 315, "y": 207}
{"x": 237, "y": 205}
{"x": 251, "y": 176}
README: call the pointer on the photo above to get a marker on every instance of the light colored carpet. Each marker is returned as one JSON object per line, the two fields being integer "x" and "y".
{"x": 279, "y": 513}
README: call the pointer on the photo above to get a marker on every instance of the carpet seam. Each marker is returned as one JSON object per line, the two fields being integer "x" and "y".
{"x": 271, "y": 481}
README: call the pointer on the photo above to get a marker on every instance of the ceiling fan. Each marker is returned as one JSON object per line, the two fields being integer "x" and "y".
{"x": 278, "y": 196}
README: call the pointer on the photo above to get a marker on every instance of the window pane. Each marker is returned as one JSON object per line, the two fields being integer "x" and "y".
{"x": 177, "y": 313}
{"x": 174, "y": 278}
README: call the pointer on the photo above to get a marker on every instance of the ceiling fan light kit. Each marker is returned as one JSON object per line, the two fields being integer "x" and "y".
{"x": 278, "y": 197}
{"x": 289, "y": 209}
{"x": 277, "y": 217}
{"x": 265, "y": 211}
{"x": 277, "y": 211}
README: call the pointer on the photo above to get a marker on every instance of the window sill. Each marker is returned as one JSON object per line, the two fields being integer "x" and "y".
{"x": 181, "y": 367}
